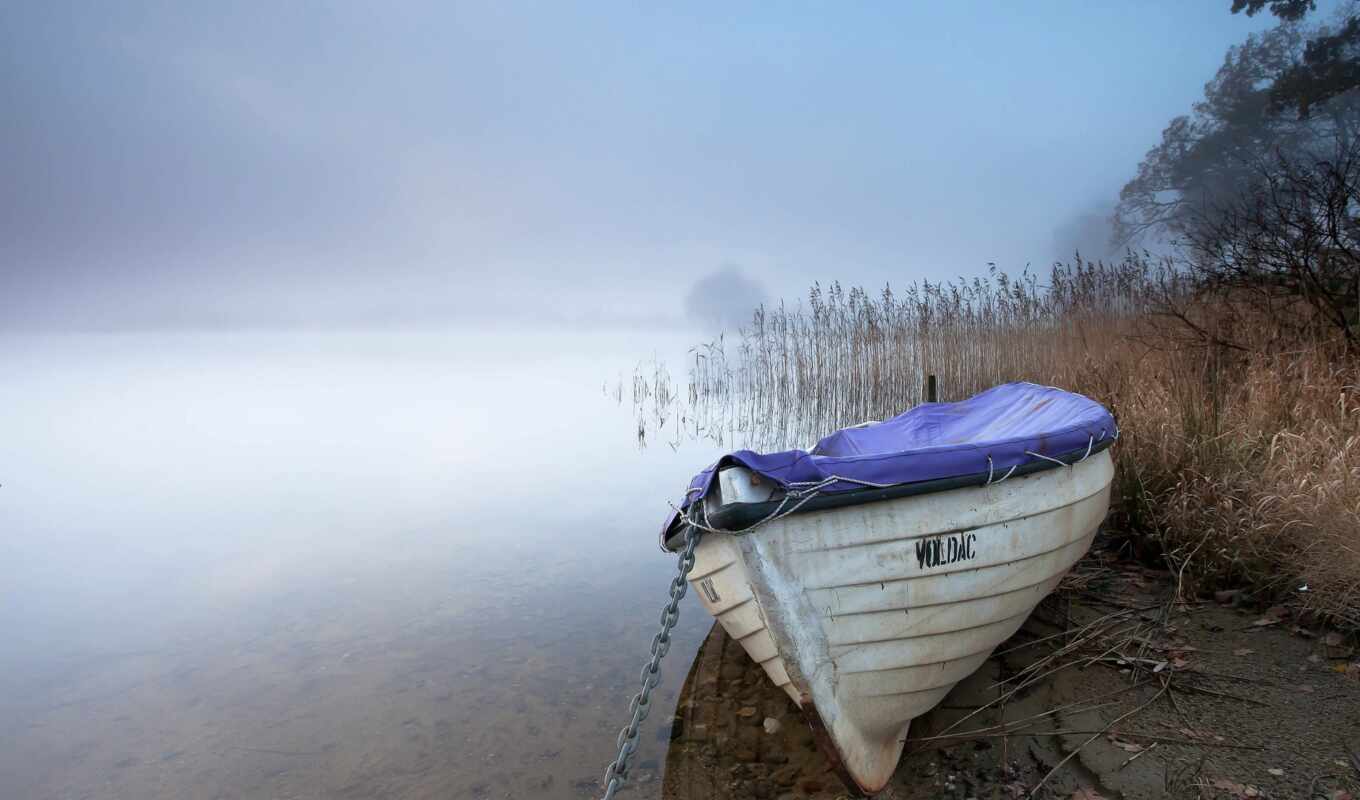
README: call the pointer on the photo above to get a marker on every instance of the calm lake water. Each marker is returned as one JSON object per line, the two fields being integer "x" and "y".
{"x": 291, "y": 565}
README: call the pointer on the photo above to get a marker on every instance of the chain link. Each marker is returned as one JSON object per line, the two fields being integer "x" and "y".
{"x": 617, "y": 771}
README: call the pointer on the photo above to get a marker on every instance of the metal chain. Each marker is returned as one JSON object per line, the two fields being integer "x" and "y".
{"x": 617, "y": 771}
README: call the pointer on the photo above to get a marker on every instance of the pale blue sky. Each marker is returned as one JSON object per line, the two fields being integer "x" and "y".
{"x": 288, "y": 163}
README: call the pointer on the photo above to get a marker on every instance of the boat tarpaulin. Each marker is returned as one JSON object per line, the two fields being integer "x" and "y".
{"x": 1011, "y": 425}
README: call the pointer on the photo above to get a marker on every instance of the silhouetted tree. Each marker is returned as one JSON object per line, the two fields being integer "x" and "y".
{"x": 1330, "y": 63}
{"x": 1288, "y": 250}
{"x": 1264, "y": 201}
{"x": 1289, "y": 10}
{"x": 1214, "y": 151}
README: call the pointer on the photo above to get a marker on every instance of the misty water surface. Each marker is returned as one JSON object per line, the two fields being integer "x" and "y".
{"x": 343, "y": 564}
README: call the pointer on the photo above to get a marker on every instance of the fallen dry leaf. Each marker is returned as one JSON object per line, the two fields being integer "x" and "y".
{"x": 1306, "y": 688}
{"x": 1264, "y": 621}
{"x": 1125, "y": 745}
{"x": 1245, "y": 651}
{"x": 1276, "y": 771}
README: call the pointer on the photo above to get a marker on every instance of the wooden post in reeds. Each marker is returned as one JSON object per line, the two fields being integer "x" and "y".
{"x": 930, "y": 388}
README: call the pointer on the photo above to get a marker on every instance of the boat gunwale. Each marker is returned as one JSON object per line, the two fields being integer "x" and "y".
{"x": 739, "y": 518}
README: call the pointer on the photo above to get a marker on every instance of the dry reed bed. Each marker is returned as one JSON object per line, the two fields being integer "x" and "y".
{"x": 1239, "y": 467}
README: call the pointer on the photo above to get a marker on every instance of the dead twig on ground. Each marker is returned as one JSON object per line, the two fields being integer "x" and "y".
{"x": 1138, "y": 755}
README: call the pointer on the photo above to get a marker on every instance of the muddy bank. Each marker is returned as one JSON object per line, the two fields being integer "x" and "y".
{"x": 1110, "y": 690}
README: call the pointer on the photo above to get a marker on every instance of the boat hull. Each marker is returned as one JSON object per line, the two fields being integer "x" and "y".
{"x": 868, "y": 615}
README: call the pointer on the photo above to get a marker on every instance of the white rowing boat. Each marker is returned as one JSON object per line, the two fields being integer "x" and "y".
{"x": 868, "y": 606}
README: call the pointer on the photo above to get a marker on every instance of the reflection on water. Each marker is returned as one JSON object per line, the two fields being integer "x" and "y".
{"x": 326, "y": 565}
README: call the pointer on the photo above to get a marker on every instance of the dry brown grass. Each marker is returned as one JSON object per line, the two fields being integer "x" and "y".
{"x": 1253, "y": 474}
{"x": 1239, "y": 467}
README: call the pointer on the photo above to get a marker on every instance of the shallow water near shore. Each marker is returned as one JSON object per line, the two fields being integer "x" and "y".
{"x": 415, "y": 564}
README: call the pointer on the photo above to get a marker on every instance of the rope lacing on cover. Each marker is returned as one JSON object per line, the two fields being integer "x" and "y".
{"x": 1090, "y": 443}
{"x": 990, "y": 472}
{"x": 800, "y": 492}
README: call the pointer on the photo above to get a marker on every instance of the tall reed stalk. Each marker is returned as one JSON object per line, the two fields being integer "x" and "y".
{"x": 848, "y": 356}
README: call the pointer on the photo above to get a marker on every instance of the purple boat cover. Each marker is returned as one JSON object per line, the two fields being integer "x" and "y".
{"x": 935, "y": 440}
